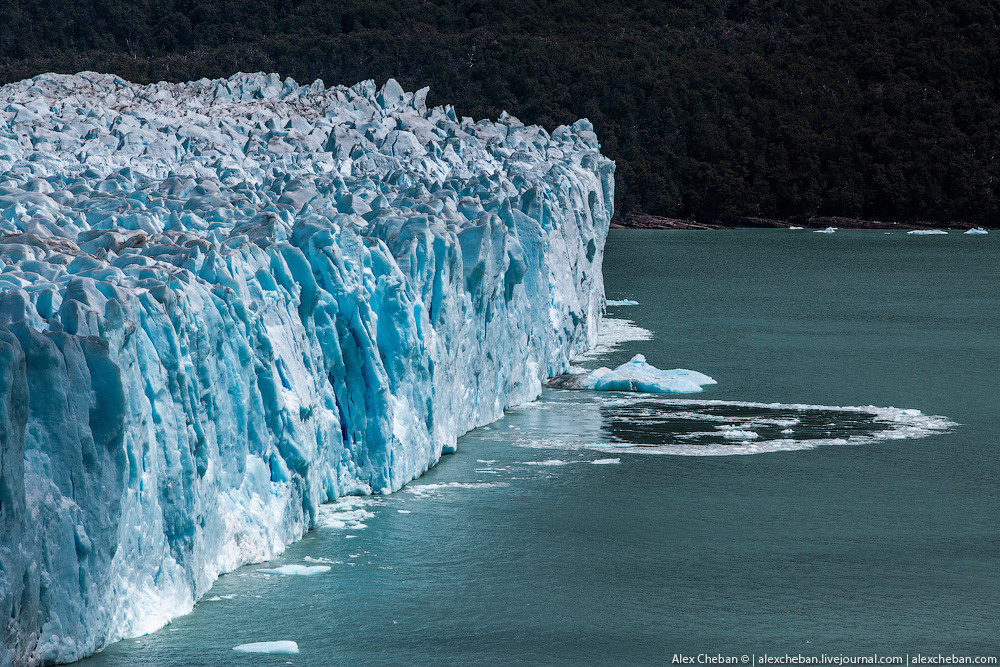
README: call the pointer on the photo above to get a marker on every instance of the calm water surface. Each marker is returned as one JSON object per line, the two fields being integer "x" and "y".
{"x": 512, "y": 554}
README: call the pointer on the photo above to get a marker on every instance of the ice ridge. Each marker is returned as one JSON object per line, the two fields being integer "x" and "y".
{"x": 223, "y": 303}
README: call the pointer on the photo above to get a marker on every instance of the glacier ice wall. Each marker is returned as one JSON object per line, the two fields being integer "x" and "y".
{"x": 226, "y": 302}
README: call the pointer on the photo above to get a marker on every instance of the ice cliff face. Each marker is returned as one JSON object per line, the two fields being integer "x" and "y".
{"x": 223, "y": 303}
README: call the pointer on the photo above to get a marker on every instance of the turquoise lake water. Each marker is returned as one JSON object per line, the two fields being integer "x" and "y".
{"x": 518, "y": 549}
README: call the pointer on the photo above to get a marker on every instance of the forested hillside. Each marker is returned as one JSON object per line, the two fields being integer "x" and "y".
{"x": 886, "y": 109}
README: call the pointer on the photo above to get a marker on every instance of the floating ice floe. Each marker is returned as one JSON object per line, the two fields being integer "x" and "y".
{"x": 621, "y": 302}
{"x": 612, "y": 334}
{"x": 635, "y": 375}
{"x": 977, "y": 230}
{"x": 560, "y": 462}
{"x": 283, "y": 647}
{"x": 434, "y": 489}
{"x": 296, "y": 570}
{"x": 926, "y": 232}
{"x": 828, "y": 230}
{"x": 347, "y": 513}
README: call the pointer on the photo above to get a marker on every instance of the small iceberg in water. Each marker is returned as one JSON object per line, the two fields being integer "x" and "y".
{"x": 621, "y": 302}
{"x": 284, "y": 647}
{"x": 635, "y": 375}
{"x": 926, "y": 232}
{"x": 795, "y": 227}
{"x": 828, "y": 230}
{"x": 977, "y": 230}
{"x": 297, "y": 570}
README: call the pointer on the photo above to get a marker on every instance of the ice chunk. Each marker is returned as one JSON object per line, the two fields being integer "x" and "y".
{"x": 621, "y": 302}
{"x": 300, "y": 570}
{"x": 739, "y": 434}
{"x": 977, "y": 230}
{"x": 604, "y": 462}
{"x": 828, "y": 230}
{"x": 434, "y": 489}
{"x": 926, "y": 232}
{"x": 347, "y": 513}
{"x": 282, "y": 647}
{"x": 637, "y": 375}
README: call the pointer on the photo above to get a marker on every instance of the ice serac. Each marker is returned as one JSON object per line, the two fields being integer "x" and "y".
{"x": 226, "y": 302}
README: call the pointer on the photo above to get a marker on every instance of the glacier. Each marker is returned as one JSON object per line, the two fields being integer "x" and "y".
{"x": 226, "y": 302}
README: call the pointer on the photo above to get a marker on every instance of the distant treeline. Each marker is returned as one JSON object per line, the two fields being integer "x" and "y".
{"x": 885, "y": 109}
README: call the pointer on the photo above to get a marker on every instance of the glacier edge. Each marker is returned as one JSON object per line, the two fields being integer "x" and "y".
{"x": 226, "y": 302}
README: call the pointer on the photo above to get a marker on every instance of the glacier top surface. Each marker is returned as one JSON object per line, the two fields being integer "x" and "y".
{"x": 162, "y": 175}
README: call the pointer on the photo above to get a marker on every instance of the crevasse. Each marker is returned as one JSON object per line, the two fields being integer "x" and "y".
{"x": 226, "y": 302}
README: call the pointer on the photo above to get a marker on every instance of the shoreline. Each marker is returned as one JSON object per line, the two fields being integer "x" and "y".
{"x": 645, "y": 221}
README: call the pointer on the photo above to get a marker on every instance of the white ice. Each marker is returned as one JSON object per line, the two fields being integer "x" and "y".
{"x": 622, "y": 302}
{"x": 298, "y": 570}
{"x": 926, "y": 232}
{"x": 637, "y": 375}
{"x": 977, "y": 230}
{"x": 283, "y": 647}
{"x": 434, "y": 489}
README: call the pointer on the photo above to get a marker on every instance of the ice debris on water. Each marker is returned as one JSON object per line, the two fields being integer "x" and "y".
{"x": 977, "y": 230}
{"x": 284, "y": 647}
{"x": 225, "y": 302}
{"x": 299, "y": 570}
{"x": 621, "y": 302}
{"x": 926, "y": 232}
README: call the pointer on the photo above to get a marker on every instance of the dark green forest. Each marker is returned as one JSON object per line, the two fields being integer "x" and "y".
{"x": 876, "y": 109}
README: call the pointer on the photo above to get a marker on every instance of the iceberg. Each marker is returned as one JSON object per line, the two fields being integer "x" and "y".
{"x": 827, "y": 230}
{"x": 926, "y": 232}
{"x": 226, "y": 302}
{"x": 282, "y": 647}
{"x": 976, "y": 230}
{"x": 635, "y": 375}
{"x": 297, "y": 570}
